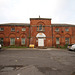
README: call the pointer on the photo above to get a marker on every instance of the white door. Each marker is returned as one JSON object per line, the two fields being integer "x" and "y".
{"x": 40, "y": 42}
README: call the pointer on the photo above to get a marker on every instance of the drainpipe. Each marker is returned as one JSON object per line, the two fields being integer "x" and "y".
{"x": 52, "y": 36}
{"x": 29, "y": 35}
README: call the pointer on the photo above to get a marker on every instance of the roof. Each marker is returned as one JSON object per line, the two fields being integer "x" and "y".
{"x": 15, "y": 24}
{"x": 62, "y": 25}
{"x": 27, "y": 24}
{"x": 40, "y": 18}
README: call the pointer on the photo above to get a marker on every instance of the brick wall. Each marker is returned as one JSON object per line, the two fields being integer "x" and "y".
{"x": 17, "y": 34}
{"x": 31, "y": 32}
{"x": 34, "y": 23}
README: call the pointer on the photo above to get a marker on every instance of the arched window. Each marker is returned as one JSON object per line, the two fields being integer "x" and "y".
{"x": 67, "y": 40}
{"x": 40, "y": 27}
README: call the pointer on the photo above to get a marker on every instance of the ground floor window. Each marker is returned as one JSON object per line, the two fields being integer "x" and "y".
{"x": 67, "y": 41}
{"x": 1, "y": 41}
{"x": 12, "y": 41}
{"x": 57, "y": 41}
{"x": 22, "y": 41}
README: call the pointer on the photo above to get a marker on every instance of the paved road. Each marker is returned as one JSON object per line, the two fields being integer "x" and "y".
{"x": 37, "y": 62}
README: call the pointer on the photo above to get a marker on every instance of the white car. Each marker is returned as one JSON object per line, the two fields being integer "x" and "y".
{"x": 0, "y": 46}
{"x": 71, "y": 47}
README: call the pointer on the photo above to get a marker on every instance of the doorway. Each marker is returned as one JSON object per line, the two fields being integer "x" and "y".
{"x": 40, "y": 42}
{"x": 41, "y": 37}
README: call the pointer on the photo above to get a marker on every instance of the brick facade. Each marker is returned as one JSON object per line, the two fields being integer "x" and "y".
{"x": 39, "y": 32}
{"x": 6, "y": 34}
{"x": 34, "y": 26}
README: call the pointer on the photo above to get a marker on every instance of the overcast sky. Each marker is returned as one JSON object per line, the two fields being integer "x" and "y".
{"x": 19, "y": 11}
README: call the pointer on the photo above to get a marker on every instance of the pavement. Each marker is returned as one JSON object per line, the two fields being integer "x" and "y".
{"x": 35, "y": 61}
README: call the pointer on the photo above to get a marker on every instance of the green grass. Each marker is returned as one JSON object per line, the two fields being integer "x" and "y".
{"x": 62, "y": 47}
{"x": 14, "y": 47}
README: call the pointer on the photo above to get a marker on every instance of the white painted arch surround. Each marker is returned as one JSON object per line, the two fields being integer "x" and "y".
{"x": 40, "y": 37}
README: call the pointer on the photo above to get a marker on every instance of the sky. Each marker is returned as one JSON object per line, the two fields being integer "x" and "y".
{"x": 20, "y": 11}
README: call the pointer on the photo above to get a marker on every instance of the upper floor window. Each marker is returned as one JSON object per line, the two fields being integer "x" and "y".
{"x": 41, "y": 28}
{"x": 1, "y": 29}
{"x": 23, "y": 29}
{"x": 12, "y": 29}
{"x": 67, "y": 29}
{"x": 57, "y": 29}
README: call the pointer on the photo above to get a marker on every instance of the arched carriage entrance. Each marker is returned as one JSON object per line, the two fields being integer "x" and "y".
{"x": 41, "y": 37}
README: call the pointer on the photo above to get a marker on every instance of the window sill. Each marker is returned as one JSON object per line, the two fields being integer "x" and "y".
{"x": 41, "y": 30}
{"x": 1, "y": 30}
{"x": 66, "y": 31}
{"x": 12, "y": 31}
{"x": 56, "y": 31}
{"x": 23, "y": 31}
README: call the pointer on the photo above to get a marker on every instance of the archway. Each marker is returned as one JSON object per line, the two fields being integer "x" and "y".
{"x": 40, "y": 37}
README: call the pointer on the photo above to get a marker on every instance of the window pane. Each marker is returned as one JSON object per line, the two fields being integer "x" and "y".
{"x": 12, "y": 41}
{"x": 57, "y": 41}
{"x": 40, "y": 27}
{"x": 67, "y": 29}
{"x": 43, "y": 28}
{"x": 23, "y": 29}
{"x": 23, "y": 41}
{"x": 66, "y": 40}
{"x": 1, "y": 29}
{"x": 1, "y": 41}
{"x": 57, "y": 29}
{"x": 12, "y": 29}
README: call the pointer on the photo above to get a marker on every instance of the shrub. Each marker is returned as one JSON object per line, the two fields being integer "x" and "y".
{"x": 57, "y": 46}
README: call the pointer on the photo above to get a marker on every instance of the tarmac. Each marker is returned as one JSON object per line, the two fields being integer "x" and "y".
{"x": 32, "y": 49}
{"x": 35, "y": 61}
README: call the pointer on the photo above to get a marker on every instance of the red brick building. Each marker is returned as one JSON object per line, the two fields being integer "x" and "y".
{"x": 14, "y": 34}
{"x": 39, "y": 32}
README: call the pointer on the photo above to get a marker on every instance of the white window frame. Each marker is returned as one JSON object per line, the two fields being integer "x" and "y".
{"x": 66, "y": 29}
{"x": 23, "y": 29}
{"x": 12, "y": 29}
{"x": 1, "y": 29}
{"x": 40, "y": 26}
{"x": 67, "y": 41}
{"x": 57, "y": 29}
{"x": 12, "y": 41}
{"x": 57, "y": 42}
{"x": 1, "y": 40}
{"x": 22, "y": 41}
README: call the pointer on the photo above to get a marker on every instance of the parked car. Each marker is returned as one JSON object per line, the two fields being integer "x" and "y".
{"x": 0, "y": 46}
{"x": 71, "y": 47}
